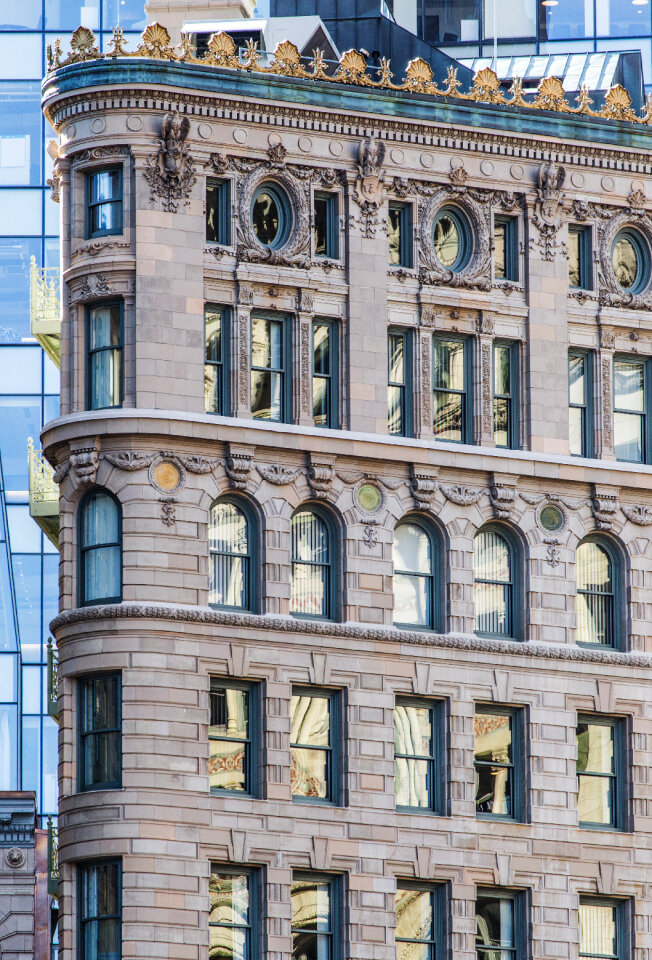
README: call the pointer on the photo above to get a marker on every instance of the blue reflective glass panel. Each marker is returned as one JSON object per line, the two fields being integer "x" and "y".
{"x": 31, "y": 753}
{"x": 70, "y": 14}
{"x": 50, "y": 762}
{"x": 21, "y": 16}
{"x": 8, "y": 678}
{"x": 31, "y": 690}
{"x": 20, "y": 55}
{"x": 14, "y": 283}
{"x": 20, "y": 370}
{"x": 21, "y": 212}
{"x": 20, "y": 418}
{"x": 27, "y": 582}
{"x": 8, "y": 748}
{"x": 50, "y": 591}
{"x": 128, "y": 14}
{"x": 24, "y": 534}
{"x": 20, "y": 134}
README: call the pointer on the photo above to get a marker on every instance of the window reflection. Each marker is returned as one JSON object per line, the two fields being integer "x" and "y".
{"x": 229, "y": 917}
{"x": 413, "y": 576}
{"x": 492, "y": 589}
{"x": 311, "y": 566}
{"x": 595, "y": 595}
{"x": 228, "y": 735}
{"x": 596, "y": 773}
{"x": 598, "y": 923}
{"x": 415, "y": 923}
{"x": 495, "y": 935}
{"x": 413, "y": 756}
{"x": 494, "y": 763}
{"x": 267, "y": 368}
{"x": 228, "y": 534}
{"x": 310, "y": 737}
{"x": 449, "y": 390}
{"x": 629, "y": 410}
{"x": 312, "y": 934}
{"x": 100, "y": 550}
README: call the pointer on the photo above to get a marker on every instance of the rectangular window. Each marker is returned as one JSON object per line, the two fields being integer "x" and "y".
{"x": 100, "y": 738}
{"x": 268, "y": 362}
{"x": 312, "y": 738}
{"x": 104, "y": 367}
{"x": 418, "y": 753}
{"x": 215, "y": 362}
{"x": 400, "y": 235}
{"x": 325, "y": 232}
{"x": 505, "y": 395}
{"x": 499, "y": 925}
{"x": 100, "y": 897}
{"x": 630, "y": 409}
{"x": 420, "y": 926}
{"x": 579, "y": 404}
{"x": 498, "y": 765}
{"x": 449, "y": 384}
{"x": 580, "y": 267}
{"x": 229, "y": 734}
{"x": 218, "y": 212}
{"x": 232, "y": 901}
{"x": 398, "y": 395}
{"x": 602, "y": 929}
{"x": 324, "y": 373}
{"x": 104, "y": 202}
{"x": 313, "y": 909}
{"x": 506, "y": 248}
{"x": 598, "y": 759}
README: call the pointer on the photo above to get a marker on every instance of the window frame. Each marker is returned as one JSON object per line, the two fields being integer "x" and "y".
{"x": 285, "y": 371}
{"x": 435, "y": 598}
{"x": 82, "y": 734}
{"x": 644, "y": 415}
{"x": 223, "y": 190}
{"x": 439, "y": 900}
{"x": 587, "y": 408}
{"x": 256, "y": 886}
{"x": 336, "y": 908}
{"x": 519, "y": 900}
{"x": 406, "y": 237}
{"x": 89, "y": 204}
{"x": 622, "y": 910}
{"x": 332, "y": 566}
{"x": 286, "y": 219}
{"x": 90, "y": 353}
{"x": 332, "y": 378}
{"x": 519, "y": 766}
{"x": 464, "y": 232}
{"x": 511, "y": 248}
{"x": 517, "y": 585}
{"x": 331, "y": 198}
{"x": 407, "y": 399}
{"x": 222, "y": 365}
{"x": 82, "y": 550}
{"x": 466, "y": 393}
{"x": 616, "y": 593}
{"x": 620, "y": 779}
{"x": 251, "y": 566}
{"x": 585, "y": 256}
{"x": 334, "y": 751}
{"x": 639, "y": 241}
{"x": 438, "y": 761}
{"x": 253, "y": 743}
{"x": 513, "y": 420}
{"x": 82, "y": 867}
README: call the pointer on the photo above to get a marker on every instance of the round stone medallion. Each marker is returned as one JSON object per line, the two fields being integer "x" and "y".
{"x": 240, "y": 135}
{"x": 517, "y": 171}
{"x": 427, "y": 160}
{"x": 368, "y": 497}
{"x": 551, "y": 518}
{"x": 205, "y": 131}
{"x": 487, "y": 167}
{"x": 608, "y": 184}
{"x": 336, "y": 148}
{"x": 134, "y": 123}
{"x": 167, "y": 476}
{"x": 397, "y": 156}
{"x": 305, "y": 144}
{"x": 577, "y": 179}
{"x": 98, "y": 125}
{"x": 14, "y": 858}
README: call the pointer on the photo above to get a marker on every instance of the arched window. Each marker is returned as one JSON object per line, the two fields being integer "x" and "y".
{"x": 229, "y": 538}
{"x": 312, "y": 560}
{"x": 414, "y": 594}
{"x": 493, "y": 584}
{"x": 100, "y": 549}
{"x": 595, "y": 595}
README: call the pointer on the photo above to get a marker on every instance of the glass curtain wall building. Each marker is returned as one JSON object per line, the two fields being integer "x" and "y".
{"x": 29, "y": 379}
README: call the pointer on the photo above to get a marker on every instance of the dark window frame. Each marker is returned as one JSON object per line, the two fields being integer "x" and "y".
{"x": 519, "y": 765}
{"x": 646, "y": 418}
{"x": 511, "y": 248}
{"x": 336, "y": 904}
{"x": 83, "y": 867}
{"x": 438, "y": 761}
{"x": 331, "y": 199}
{"x": 406, "y": 231}
{"x": 222, "y": 365}
{"x": 623, "y": 922}
{"x": 334, "y": 751}
{"x": 517, "y": 583}
{"x": 439, "y": 901}
{"x": 91, "y": 352}
{"x": 617, "y": 593}
{"x": 587, "y": 408}
{"x": 406, "y": 391}
{"x": 253, "y": 742}
{"x": 83, "y": 550}
{"x": 642, "y": 248}
{"x": 283, "y": 202}
{"x": 435, "y": 598}
{"x": 332, "y": 566}
{"x": 82, "y": 734}
{"x": 585, "y": 256}
{"x": 251, "y": 565}
{"x": 466, "y": 393}
{"x": 89, "y": 203}
{"x": 464, "y": 232}
{"x": 520, "y": 906}
{"x": 222, "y": 188}
{"x": 285, "y": 371}
{"x": 513, "y": 416}
{"x": 332, "y": 378}
{"x": 256, "y": 886}
{"x": 620, "y": 777}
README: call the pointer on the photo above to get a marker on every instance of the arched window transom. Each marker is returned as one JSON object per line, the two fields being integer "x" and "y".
{"x": 413, "y": 576}
{"x": 100, "y": 543}
{"x": 493, "y": 592}
{"x": 311, "y": 566}
{"x": 595, "y": 595}
{"x": 230, "y": 558}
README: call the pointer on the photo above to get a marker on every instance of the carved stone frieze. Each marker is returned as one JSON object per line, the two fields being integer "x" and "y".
{"x": 607, "y": 419}
{"x": 195, "y": 464}
{"x": 277, "y": 475}
{"x": 640, "y": 515}
{"x": 97, "y": 153}
{"x": 170, "y": 171}
{"x": 368, "y": 188}
{"x": 130, "y": 459}
{"x": 460, "y": 495}
{"x": 548, "y": 207}
{"x": 534, "y": 499}
{"x": 94, "y": 285}
{"x": 94, "y": 247}
{"x": 486, "y": 388}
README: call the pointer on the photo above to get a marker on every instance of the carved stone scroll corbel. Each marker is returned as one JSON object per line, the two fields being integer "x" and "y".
{"x": 502, "y": 494}
{"x": 320, "y": 475}
{"x": 604, "y": 506}
{"x": 239, "y": 464}
{"x": 423, "y": 486}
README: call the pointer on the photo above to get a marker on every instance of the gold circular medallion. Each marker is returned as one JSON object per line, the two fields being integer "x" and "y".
{"x": 166, "y": 475}
{"x": 369, "y": 498}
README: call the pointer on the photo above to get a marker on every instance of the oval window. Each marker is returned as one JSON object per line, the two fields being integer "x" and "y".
{"x": 451, "y": 239}
{"x": 630, "y": 261}
{"x": 270, "y": 215}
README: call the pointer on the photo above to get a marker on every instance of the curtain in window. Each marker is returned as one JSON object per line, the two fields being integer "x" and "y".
{"x": 594, "y": 594}
{"x": 105, "y": 357}
{"x": 229, "y": 552}
{"x": 492, "y": 590}
{"x": 100, "y": 543}
{"x": 412, "y": 575}
{"x": 310, "y": 565}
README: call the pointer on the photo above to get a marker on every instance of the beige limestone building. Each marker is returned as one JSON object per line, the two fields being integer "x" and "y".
{"x": 354, "y": 463}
